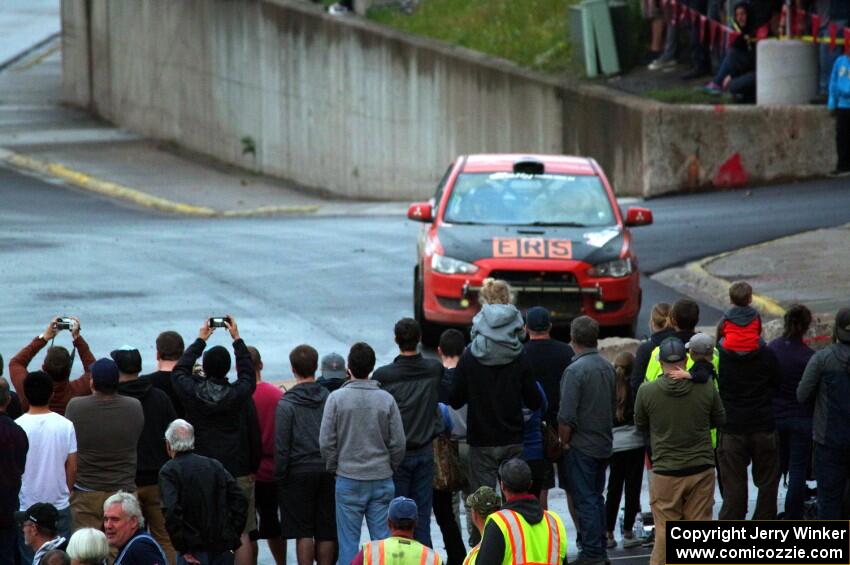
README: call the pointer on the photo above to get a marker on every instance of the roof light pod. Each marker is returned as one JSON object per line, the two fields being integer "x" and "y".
{"x": 529, "y": 167}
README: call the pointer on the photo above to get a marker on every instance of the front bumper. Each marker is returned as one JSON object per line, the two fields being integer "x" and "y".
{"x": 563, "y": 287}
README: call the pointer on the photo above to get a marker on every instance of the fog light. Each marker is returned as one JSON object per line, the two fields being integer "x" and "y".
{"x": 464, "y": 303}
{"x": 599, "y": 305}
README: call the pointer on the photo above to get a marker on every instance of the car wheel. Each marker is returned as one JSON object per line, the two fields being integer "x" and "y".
{"x": 430, "y": 331}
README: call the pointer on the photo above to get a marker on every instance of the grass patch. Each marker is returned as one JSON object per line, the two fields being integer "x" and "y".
{"x": 686, "y": 95}
{"x": 532, "y": 33}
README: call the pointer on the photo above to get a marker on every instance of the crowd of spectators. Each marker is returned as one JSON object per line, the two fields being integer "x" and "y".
{"x": 189, "y": 466}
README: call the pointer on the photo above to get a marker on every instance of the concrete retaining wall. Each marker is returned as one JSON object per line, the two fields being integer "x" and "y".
{"x": 350, "y": 107}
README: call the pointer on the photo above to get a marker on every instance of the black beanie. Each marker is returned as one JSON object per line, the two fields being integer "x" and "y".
{"x": 216, "y": 362}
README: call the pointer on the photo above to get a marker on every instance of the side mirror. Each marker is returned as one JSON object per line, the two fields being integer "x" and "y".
{"x": 638, "y": 217}
{"x": 420, "y": 212}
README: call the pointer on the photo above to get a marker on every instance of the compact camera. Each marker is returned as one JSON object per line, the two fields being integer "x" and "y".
{"x": 221, "y": 322}
{"x": 63, "y": 324}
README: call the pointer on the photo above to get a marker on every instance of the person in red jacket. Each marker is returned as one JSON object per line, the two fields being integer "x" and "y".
{"x": 57, "y": 363}
{"x": 740, "y": 328}
{"x": 266, "y": 398}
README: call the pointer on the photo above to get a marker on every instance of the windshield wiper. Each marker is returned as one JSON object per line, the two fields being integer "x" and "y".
{"x": 560, "y": 224}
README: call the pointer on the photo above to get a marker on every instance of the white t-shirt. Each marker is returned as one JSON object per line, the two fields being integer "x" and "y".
{"x": 52, "y": 439}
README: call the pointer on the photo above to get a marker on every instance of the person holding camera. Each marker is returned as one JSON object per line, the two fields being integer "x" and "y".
{"x": 217, "y": 408}
{"x": 57, "y": 363}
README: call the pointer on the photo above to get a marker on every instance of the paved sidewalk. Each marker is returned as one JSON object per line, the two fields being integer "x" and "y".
{"x": 810, "y": 268}
{"x": 40, "y": 135}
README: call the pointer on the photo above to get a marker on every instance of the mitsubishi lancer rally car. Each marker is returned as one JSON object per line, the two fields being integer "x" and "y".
{"x": 548, "y": 225}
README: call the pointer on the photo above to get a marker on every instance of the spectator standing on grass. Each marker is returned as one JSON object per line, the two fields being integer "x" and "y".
{"x": 108, "y": 428}
{"x": 221, "y": 412}
{"x": 13, "y": 457}
{"x": 678, "y": 415}
{"x": 204, "y": 508}
{"x": 793, "y": 420}
{"x": 362, "y": 441}
{"x": 747, "y": 381}
{"x": 305, "y": 487}
{"x": 831, "y": 12}
{"x": 52, "y": 457}
{"x": 414, "y": 383}
{"x": 266, "y": 398}
{"x": 549, "y": 358}
{"x": 495, "y": 378}
{"x": 169, "y": 349}
{"x": 839, "y": 105}
{"x": 659, "y": 330}
{"x": 38, "y": 526}
{"x": 159, "y": 412}
{"x": 586, "y": 416}
{"x": 627, "y": 459}
{"x": 826, "y": 382}
{"x": 124, "y": 526}
{"x": 57, "y": 363}
{"x": 333, "y": 373}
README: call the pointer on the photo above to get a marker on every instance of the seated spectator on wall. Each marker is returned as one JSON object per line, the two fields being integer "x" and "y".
{"x": 737, "y": 72}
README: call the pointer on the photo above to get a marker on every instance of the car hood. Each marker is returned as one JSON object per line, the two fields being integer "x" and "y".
{"x": 471, "y": 243}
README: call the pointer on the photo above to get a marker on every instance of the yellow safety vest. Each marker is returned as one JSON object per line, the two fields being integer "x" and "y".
{"x": 544, "y": 543}
{"x": 399, "y": 551}
{"x": 654, "y": 370}
{"x": 472, "y": 556}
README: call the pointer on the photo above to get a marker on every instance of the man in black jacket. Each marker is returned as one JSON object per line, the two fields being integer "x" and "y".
{"x": 221, "y": 411}
{"x": 747, "y": 383}
{"x": 158, "y": 412}
{"x": 414, "y": 382}
{"x": 305, "y": 487}
{"x": 204, "y": 508}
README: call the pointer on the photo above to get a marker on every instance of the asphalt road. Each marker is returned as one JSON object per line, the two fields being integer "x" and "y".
{"x": 129, "y": 274}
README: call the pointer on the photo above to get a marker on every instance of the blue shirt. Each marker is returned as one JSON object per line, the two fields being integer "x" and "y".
{"x": 839, "y": 84}
{"x": 532, "y": 431}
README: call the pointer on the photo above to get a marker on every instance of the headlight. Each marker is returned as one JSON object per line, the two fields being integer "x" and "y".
{"x": 618, "y": 268}
{"x": 449, "y": 266}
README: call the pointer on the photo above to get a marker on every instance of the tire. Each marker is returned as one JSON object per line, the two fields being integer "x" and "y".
{"x": 430, "y": 331}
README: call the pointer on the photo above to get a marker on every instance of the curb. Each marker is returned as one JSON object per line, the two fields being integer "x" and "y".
{"x": 762, "y": 303}
{"x": 138, "y": 197}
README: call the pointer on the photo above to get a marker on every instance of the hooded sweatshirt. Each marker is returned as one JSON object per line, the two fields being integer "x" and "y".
{"x": 826, "y": 382}
{"x": 297, "y": 425}
{"x": 496, "y": 333}
{"x": 679, "y": 416}
{"x": 740, "y": 329}
{"x": 159, "y": 412}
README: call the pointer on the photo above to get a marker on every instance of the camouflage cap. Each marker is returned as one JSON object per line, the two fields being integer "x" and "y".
{"x": 485, "y": 501}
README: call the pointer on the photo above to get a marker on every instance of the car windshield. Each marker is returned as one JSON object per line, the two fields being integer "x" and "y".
{"x": 529, "y": 200}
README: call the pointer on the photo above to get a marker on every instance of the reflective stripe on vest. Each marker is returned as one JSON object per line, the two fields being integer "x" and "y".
{"x": 473, "y": 555}
{"x": 524, "y": 542}
{"x": 399, "y": 551}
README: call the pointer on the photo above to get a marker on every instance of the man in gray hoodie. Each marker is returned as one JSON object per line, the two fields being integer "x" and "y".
{"x": 362, "y": 441}
{"x": 305, "y": 488}
{"x": 826, "y": 381}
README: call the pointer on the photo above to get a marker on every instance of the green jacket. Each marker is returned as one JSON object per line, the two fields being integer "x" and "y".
{"x": 679, "y": 416}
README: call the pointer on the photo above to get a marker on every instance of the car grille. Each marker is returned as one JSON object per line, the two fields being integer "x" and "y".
{"x": 562, "y": 307}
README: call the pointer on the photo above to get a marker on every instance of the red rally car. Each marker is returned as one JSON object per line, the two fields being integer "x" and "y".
{"x": 549, "y": 225}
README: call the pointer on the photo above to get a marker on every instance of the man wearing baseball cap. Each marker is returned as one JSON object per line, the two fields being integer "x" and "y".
{"x": 481, "y": 504}
{"x": 544, "y": 539}
{"x": 38, "y": 524}
{"x": 826, "y": 380}
{"x": 333, "y": 373}
{"x": 678, "y": 415}
{"x": 400, "y": 548}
